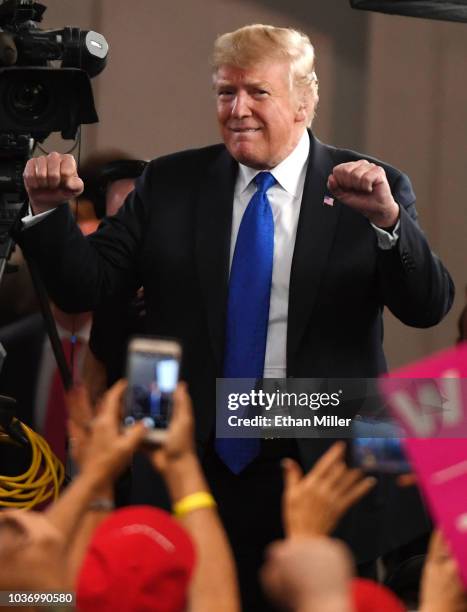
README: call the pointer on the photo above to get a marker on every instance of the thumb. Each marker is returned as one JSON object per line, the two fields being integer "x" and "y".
{"x": 133, "y": 436}
{"x": 292, "y": 473}
{"x": 74, "y": 184}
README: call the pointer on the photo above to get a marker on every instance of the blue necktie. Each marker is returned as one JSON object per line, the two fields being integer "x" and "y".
{"x": 248, "y": 309}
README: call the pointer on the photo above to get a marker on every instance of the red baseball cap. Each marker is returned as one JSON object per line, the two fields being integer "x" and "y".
{"x": 369, "y": 596}
{"x": 140, "y": 559}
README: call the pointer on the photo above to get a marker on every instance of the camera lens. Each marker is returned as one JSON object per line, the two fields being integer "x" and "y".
{"x": 27, "y": 101}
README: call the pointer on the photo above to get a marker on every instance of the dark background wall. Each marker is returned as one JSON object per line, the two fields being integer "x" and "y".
{"x": 391, "y": 86}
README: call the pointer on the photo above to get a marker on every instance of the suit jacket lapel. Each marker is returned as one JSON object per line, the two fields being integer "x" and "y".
{"x": 213, "y": 230}
{"x": 315, "y": 232}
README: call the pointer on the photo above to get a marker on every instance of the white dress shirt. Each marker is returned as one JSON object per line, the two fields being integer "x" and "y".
{"x": 285, "y": 198}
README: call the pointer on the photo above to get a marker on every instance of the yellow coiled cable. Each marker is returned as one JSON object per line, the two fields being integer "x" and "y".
{"x": 41, "y": 481}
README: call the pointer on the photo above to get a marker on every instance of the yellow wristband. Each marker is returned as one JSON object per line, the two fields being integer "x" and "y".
{"x": 195, "y": 501}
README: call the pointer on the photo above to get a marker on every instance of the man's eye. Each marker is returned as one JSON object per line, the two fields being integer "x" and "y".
{"x": 225, "y": 93}
{"x": 261, "y": 93}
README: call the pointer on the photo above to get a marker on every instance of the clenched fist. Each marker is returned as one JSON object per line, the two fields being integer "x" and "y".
{"x": 364, "y": 187}
{"x": 50, "y": 180}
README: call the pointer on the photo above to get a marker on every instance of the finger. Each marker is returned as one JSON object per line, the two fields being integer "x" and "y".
{"x": 331, "y": 183}
{"x": 133, "y": 436}
{"x": 407, "y": 480}
{"x": 326, "y": 462}
{"x": 358, "y": 491}
{"x": 373, "y": 177}
{"x": 336, "y": 476}
{"x": 438, "y": 549}
{"x": 292, "y": 473}
{"x": 74, "y": 185}
{"x": 29, "y": 175}
{"x": 53, "y": 170}
{"x": 109, "y": 406}
{"x": 74, "y": 430}
{"x": 182, "y": 407}
{"x": 41, "y": 172}
{"x": 337, "y": 191}
{"x": 68, "y": 167}
{"x": 344, "y": 173}
{"x": 362, "y": 178}
{"x": 69, "y": 175}
{"x": 350, "y": 478}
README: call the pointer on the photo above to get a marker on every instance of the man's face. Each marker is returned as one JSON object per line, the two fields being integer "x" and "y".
{"x": 261, "y": 120}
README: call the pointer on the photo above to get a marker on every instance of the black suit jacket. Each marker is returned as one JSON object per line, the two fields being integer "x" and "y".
{"x": 173, "y": 236}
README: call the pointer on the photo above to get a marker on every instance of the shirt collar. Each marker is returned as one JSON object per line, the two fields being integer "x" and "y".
{"x": 82, "y": 334}
{"x": 287, "y": 173}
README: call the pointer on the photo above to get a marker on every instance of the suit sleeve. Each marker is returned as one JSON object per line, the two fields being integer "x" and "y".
{"x": 414, "y": 284}
{"x": 81, "y": 273}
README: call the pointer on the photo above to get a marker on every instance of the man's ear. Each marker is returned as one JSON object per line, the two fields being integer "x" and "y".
{"x": 301, "y": 114}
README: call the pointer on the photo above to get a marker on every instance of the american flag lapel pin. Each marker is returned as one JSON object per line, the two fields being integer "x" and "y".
{"x": 328, "y": 200}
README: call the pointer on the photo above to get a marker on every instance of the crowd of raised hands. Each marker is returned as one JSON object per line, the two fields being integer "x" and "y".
{"x": 308, "y": 571}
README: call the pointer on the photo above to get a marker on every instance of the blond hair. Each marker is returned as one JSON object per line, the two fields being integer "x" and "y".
{"x": 256, "y": 43}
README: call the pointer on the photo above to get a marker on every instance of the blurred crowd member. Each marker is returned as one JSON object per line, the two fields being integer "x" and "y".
{"x": 107, "y": 185}
{"x": 442, "y": 590}
{"x": 316, "y": 575}
{"x": 109, "y": 177}
{"x": 369, "y": 596}
{"x": 309, "y": 575}
{"x": 308, "y": 572}
{"x": 140, "y": 558}
{"x": 30, "y": 373}
{"x": 314, "y": 504}
{"x": 62, "y": 549}
{"x": 34, "y": 547}
{"x": 214, "y": 585}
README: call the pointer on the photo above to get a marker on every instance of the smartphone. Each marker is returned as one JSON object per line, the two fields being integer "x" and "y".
{"x": 378, "y": 447}
{"x": 153, "y": 366}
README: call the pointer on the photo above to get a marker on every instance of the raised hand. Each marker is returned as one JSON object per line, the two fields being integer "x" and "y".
{"x": 50, "y": 180}
{"x": 441, "y": 587}
{"x": 364, "y": 187}
{"x": 313, "y": 504}
{"x": 100, "y": 446}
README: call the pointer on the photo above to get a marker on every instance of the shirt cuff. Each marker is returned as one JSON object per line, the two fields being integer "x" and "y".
{"x": 31, "y": 219}
{"x": 387, "y": 240}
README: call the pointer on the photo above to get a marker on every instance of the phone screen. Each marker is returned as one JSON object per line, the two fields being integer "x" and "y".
{"x": 152, "y": 378}
{"x": 378, "y": 447}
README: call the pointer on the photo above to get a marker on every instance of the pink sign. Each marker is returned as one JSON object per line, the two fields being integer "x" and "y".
{"x": 429, "y": 401}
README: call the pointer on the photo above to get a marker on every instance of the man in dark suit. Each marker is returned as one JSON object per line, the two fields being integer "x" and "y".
{"x": 338, "y": 241}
